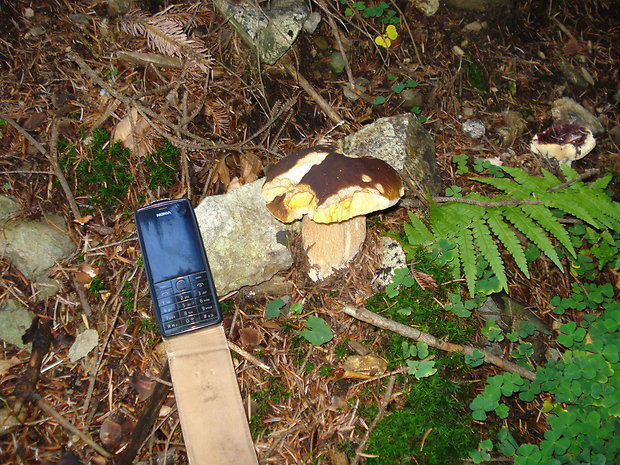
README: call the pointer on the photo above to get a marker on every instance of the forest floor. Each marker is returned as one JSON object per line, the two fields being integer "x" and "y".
{"x": 63, "y": 76}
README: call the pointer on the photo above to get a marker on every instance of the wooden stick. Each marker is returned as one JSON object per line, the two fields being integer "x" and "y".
{"x": 66, "y": 424}
{"x": 384, "y": 403}
{"x": 309, "y": 88}
{"x": 52, "y": 158}
{"x": 147, "y": 419}
{"x": 417, "y": 335}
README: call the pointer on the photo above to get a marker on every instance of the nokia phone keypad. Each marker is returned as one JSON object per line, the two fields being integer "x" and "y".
{"x": 185, "y": 303}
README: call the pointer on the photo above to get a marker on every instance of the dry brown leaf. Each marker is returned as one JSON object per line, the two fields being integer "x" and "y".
{"x": 220, "y": 177}
{"x": 251, "y": 168}
{"x": 572, "y": 47}
{"x": 142, "y": 385}
{"x": 6, "y": 365}
{"x": 426, "y": 281}
{"x": 83, "y": 219}
{"x": 115, "y": 430}
{"x": 134, "y": 131}
{"x": 250, "y": 338}
{"x": 34, "y": 121}
{"x": 86, "y": 274}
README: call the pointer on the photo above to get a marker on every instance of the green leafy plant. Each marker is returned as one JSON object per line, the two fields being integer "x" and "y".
{"x": 461, "y": 163}
{"x": 317, "y": 331}
{"x": 471, "y": 228}
{"x": 103, "y": 174}
{"x": 163, "y": 166}
{"x": 430, "y": 427}
{"x": 380, "y": 11}
{"x": 583, "y": 415}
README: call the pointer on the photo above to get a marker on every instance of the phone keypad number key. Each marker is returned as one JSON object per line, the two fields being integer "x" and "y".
{"x": 185, "y": 302}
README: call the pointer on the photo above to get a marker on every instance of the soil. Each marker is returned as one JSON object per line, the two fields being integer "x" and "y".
{"x": 63, "y": 76}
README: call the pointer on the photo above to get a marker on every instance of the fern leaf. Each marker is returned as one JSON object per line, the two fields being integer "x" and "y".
{"x": 533, "y": 232}
{"x": 488, "y": 249}
{"x": 600, "y": 184}
{"x": 551, "y": 179}
{"x": 506, "y": 185}
{"x": 508, "y": 238}
{"x": 450, "y": 219}
{"x": 602, "y": 208}
{"x": 543, "y": 216}
{"x": 467, "y": 255}
{"x": 565, "y": 201}
{"x": 532, "y": 184}
{"x": 417, "y": 232}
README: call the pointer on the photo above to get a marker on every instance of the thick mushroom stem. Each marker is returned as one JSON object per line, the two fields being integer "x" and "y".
{"x": 329, "y": 247}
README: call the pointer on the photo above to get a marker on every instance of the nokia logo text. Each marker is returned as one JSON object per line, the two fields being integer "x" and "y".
{"x": 167, "y": 212}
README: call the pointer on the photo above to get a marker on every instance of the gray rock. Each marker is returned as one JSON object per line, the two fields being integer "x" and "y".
{"x": 515, "y": 126}
{"x": 402, "y": 142}
{"x": 427, "y": 7}
{"x": 84, "y": 343}
{"x": 34, "y": 246}
{"x": 245, "y": 244}
{"x": 474, "y": 128}
{"x": 272, "y": 31}
{"x": 567, "y": 111}
{"x": 392, "y": 258}
{"x": 15, "y": 319}
{"x": 336, "y": 63}
{"x": 576, "y": 80}
{"x": 312, "y": 22}
{"x": 8, "y": 206}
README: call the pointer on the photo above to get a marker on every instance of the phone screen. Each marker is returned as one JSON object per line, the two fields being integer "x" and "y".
{"x": 181, "y": 285}
{"x": 171, "y": 242}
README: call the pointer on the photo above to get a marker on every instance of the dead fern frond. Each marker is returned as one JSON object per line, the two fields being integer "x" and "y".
{"x": 166, "y": 34}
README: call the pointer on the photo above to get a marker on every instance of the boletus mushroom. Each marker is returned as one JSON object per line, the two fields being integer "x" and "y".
{"x": 333, "y": 193}
{"x": 566, "y": 143}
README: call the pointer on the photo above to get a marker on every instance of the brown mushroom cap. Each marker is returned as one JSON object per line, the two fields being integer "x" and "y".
{"x": 329, "y": 186}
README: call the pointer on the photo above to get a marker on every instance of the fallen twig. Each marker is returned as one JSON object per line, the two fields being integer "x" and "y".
{"x": 382, "y": 407}
{"x": 309, "y": 88}
{"x": 52, "y": 158}
{"x": 66, "y": 424}
{"x": 417, "y": 335}
{"x": 249, "y": 357}
{"x": 147, "y": 418}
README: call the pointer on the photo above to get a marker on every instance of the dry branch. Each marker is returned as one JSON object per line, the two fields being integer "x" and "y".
{"x": 417, "y": 335}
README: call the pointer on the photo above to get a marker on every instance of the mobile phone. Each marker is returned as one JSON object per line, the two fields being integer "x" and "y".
{"x": 177, "y": 269}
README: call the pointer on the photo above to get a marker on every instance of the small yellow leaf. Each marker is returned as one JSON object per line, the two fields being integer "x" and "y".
{"x": 383, "y": 41}
{"x": 391, "y": 32}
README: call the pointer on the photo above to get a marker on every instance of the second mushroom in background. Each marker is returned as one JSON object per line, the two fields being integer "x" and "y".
{"x": 333, "y": 193}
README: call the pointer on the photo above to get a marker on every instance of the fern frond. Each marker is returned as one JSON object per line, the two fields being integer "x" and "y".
{"x": 489, "y": 251}
{"x": 532, "y": 184}
{"x": 533, "y": 232}
{"x": 467, "y": 255}
{"x": 507, "y": 185}
{"x": 508, "y": 238}
{"x": 546, "y": 220}
{"x": 565, "y": 201}
{"x": 602, "y": 208}
{"x": 450, "y": 219}
{"x": 417, "y": 232}
{"x": 550, "y": 178}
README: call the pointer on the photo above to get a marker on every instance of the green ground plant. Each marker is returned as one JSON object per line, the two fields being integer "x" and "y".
{"x": 430, "y": 428}
{"x": 102, "y": 174}
{"x": 578, "y": 393}
{"x": 465, "y": 232}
